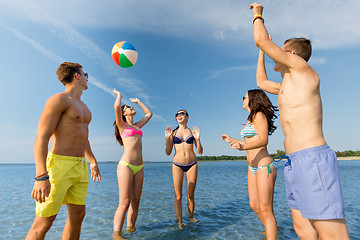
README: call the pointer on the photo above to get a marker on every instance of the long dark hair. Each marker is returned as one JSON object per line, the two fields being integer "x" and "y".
{"x": 117, "y": 132}
{"x": 259, "y": 102}
{"x": 181, "y": 110}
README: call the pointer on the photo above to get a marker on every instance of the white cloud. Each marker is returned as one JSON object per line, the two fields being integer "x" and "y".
{"x": 55, "y": 18}
{"x": 51, "y": 55}
{"x": 329, "y": 24}
{"x": 100, "y": 85}
{"x": 218, "y": 73}
{"x": 317, "y": 61}
{"x": 48, "y": 53}
{"x": 158, "y": 118}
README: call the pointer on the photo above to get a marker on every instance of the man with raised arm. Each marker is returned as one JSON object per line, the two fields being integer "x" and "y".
{"x": 62, "y": 173}
{"x": 312, "y": 178}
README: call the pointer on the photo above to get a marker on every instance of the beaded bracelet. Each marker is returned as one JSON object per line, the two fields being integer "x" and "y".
{"x": 258, "y": 17}
{"x": 42, "y": 178}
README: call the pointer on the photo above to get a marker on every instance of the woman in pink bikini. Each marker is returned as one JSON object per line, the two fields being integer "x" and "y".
{"x": 130, "y": 170}
{"x": 183, "y": 138}
{"x": 261, "y": 171}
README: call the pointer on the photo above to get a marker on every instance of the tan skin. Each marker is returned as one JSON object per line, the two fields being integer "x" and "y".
{"x": 301, "y": 116}
{"x": 184, "y": 154}
{"x": 130, "y": 185}
{"x": 260, "y": 186}
{"x": 65, "y": 119}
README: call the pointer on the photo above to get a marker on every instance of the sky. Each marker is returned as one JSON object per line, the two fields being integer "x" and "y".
{"x": 197, "y": 55}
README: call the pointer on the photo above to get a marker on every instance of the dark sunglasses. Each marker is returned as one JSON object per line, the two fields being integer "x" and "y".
{"x": 86, "y": 74}
{"x": 244, "y": 98}
{"x": 127, "y": 106}
{"x": 180, "y": 114}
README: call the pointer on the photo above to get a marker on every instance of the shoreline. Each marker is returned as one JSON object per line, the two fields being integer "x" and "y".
{"x": 349, "y": 158}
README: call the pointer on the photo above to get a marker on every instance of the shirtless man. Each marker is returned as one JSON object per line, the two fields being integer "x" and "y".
{"x": 312, "y": 180}
{"x": 62, "y": 174}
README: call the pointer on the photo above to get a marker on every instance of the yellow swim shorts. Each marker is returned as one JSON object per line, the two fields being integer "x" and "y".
{"x": 69, "y": 179}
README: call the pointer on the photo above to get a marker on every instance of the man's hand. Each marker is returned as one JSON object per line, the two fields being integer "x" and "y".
{"x": 40, "y": 190}
{"x": 257, "y": 9}
{"x": 95, "y": 172}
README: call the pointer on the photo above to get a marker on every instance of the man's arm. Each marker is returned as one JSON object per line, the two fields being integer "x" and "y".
{"x": 49, "y": 119}
{"x": 95, "y": 171}
{"x": 263, "y": 41}
{"x": 261, "y": 77}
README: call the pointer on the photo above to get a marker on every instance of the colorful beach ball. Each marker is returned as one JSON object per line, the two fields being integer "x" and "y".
{"x": 124, "y": 54}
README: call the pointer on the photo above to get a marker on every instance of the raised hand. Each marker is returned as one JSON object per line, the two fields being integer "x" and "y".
{"x": 117, "y": 93}
{"x": 226, "y": 138}
{"x": 168, "y": 132}
{"x": 196, "y": 132}
{"x": 257, "y": 9}
{"x": 134, "y": 100}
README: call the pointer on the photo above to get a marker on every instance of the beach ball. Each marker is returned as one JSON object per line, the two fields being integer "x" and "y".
{"x": 124, "y": 54}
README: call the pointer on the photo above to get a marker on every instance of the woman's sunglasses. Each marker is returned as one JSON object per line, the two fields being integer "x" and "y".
{"x": 180, "y": 114}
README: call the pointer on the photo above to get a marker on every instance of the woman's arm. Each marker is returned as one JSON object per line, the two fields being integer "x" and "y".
{"x": 196, "y": 133}
{"x": 229, "y": 139}
{"x": 148, "y": 113}
{"x": 169, "y": 141}
{"x": 118, "y": 112}
{"x": 261, "y": 127}
{"x": 262, "y": 80}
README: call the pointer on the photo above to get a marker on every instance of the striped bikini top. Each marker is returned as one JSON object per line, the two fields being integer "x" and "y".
{"x": 248, "y": 131}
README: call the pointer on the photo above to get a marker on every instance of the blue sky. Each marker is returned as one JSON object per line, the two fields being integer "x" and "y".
{"x": 197, "y": 55}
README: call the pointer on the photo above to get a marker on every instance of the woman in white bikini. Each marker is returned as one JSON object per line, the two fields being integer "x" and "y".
{"x": 183, "y": 139}
{"x": 130, "y": 170}
{"x": 262, "y": 171}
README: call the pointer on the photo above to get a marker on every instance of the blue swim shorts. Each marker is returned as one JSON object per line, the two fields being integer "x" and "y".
{"x": 313, "y": 183}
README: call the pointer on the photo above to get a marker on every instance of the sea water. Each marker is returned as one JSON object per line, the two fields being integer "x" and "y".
{"x": 221, "y": 203}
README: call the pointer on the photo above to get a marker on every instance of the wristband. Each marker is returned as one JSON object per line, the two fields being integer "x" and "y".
{"x": 258, "y": 17}
{"x": 41, "y": 175}
{"x": 42, "y": 178}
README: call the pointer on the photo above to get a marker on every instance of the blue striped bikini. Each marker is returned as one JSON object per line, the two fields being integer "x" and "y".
{"x": 255, "y": 169}
{"x": 248, "y": 131}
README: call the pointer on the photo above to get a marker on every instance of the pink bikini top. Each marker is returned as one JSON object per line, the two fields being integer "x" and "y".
{"x": 128, "y": 132}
